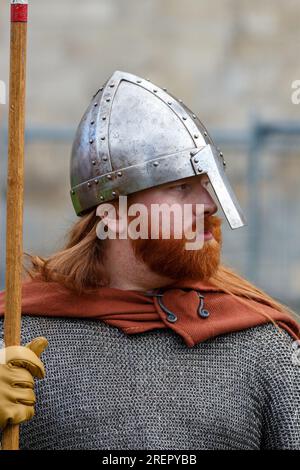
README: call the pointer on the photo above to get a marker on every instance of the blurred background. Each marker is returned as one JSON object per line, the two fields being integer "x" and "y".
{"x": 232, "y": 61}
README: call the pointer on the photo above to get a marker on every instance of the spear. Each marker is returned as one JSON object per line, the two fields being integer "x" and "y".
{"x": 15, "y": 188}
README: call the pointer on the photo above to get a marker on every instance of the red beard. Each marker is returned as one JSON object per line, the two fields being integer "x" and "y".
{"x": 168, "y": 257}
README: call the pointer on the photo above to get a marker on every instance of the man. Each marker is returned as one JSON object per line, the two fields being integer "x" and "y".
{"x": 153, "y": 342}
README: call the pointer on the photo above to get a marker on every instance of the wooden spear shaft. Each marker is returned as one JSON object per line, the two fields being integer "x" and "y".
{"x": 15, "y": 187}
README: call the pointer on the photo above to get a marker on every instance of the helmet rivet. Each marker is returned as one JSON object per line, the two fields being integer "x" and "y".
{"x": 196, "y": 136}
{"x": 109, "y": 177}
{"x": 199, "y": 170}
{"x": 155, "y": 164}
{"x": 194, "y": 116}
{"x": 95, "y": 104}
{"x": 139, "y": 81}
{"x": 96, "y": 181}
{"x": 164, "y": 89}
{"x": 169, "y": 103}
{"x": 224, "y": 163}
{"x": 103, "y": 118}
{"x": 155, "y": 90}
{"x": 180, "y": 101}
{"x": 100, "y": 89}
{"x": 102, "y": 138}
{"x": 112, "y": 85}
{"x": 205, "y": 133}
{"x": 105, "y": 158}
{"x": 101, "y": 197}
{"x": 193, "y": 152}
{"x": 113, "y": 193}
{"x": 119, "y": 173}
{"x": 91, "y": 141}
{"x": 184, "y": 118}
{"x": 92, "y": 122}
{"x": 148, "y": 79}
{"x": 107, "y": 100}
{"x": 221, "y": 154}
{"x": 196, "y": 160}
{"x": 73, "y": 192}
{"x": 94, "y": 162}
{"x": 89, "y": 185}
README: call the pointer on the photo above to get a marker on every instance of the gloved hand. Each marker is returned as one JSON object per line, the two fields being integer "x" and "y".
{"x": 18, "y": 366}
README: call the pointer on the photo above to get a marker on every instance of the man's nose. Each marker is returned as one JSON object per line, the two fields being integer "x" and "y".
{"x": 203, "y": 197}
{"x": 210, "y": 207}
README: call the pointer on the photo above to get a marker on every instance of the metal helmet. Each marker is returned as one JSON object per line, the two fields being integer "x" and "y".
{"x": 134, "y": 135}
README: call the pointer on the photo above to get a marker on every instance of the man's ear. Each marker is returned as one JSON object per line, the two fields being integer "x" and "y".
{"x": 113, "y": 222}
{"x": 107, "y": 225}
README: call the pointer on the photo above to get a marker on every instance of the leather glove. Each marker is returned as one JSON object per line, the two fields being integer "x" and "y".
{"x": 18, "y": 366}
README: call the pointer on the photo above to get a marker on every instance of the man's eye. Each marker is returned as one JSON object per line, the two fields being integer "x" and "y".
{"x": 180, "y": 187}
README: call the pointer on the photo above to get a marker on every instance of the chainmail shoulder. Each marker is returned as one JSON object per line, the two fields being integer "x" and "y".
{"x": 105, "y": 389}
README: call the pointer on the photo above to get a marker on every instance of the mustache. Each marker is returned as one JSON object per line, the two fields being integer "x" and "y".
{"x": 212, "y": 223}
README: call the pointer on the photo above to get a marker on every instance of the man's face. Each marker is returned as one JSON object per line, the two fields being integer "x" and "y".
{"x": 169, "y": 257}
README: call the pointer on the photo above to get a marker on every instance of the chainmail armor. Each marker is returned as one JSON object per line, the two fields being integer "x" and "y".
{"x": 107, "y": 390}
